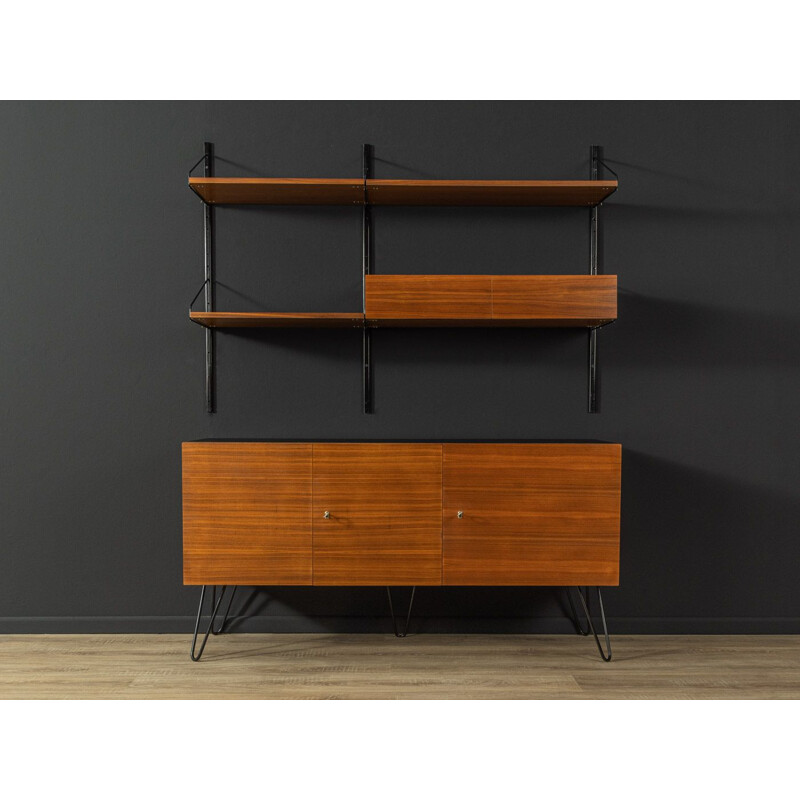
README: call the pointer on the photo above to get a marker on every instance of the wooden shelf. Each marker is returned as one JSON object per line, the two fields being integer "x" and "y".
{"x": 408, "y": 301}
{"x": 273, "y": 319}
{"x": 351, "y": 191}
{"x": 280, "y": 191}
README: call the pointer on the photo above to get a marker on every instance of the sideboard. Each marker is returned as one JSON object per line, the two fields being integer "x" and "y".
{"x": 400, "y": 513}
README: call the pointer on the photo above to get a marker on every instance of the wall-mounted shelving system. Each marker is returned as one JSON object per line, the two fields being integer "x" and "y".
{"x": 584, "y": 301}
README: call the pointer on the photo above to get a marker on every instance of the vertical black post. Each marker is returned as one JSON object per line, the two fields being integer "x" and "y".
{"x": 208, "y": 249}
{"x": 366, "y": 268}
{"x": 594, "y": 229}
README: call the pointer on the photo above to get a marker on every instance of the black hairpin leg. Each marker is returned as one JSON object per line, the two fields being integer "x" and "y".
{"x": 215, "y": 604}
{"x": 605, "y": 655}
{"x": 221, "y": 628}
{"x": 397, "y": 632}
{"x": 574, "y": 615}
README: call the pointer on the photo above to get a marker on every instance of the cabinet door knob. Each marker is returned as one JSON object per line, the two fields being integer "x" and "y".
{"x": 327, "y": 515}
{"x": 460, "y": 514}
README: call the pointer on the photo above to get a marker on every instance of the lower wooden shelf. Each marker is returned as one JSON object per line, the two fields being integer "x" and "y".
{"x": 276, "y": 319}
{"x": 400, "y": 301}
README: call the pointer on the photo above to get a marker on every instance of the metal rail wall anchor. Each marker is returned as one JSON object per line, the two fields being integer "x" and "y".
{"x": 595, "y": 264}
{"x": 594, "y": 243}
{"x": 208, "y": 258}
{"x": 366, "y": 268}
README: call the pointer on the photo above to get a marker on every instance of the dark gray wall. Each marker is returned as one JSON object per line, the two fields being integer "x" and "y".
{"x": 102, "y": 373}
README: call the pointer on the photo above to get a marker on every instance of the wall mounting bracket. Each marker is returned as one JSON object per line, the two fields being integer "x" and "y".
{"x": 366, "y": 269}
{"x": 594, "y": 258}
{"x": 208, "y": 258}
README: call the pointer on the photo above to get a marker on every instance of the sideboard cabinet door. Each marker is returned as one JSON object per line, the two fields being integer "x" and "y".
{"x": 531, "y": 514}
{"x": 246, "y": 513}
{"x": 377, "y": 515}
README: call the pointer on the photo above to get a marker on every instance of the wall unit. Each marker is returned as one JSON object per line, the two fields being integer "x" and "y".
{"x": 585, "y": 301}
{"x": 400, "y": 514}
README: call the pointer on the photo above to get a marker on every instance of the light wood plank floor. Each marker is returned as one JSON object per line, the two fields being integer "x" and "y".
{"x": 335, "y": 666}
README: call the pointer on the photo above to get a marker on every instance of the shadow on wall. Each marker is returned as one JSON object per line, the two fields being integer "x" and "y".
{"x": 680, "y": 561}
{"x": 680, "y": 333}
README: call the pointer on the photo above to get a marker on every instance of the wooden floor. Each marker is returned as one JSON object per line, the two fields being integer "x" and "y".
{"x": 336, "y": 666}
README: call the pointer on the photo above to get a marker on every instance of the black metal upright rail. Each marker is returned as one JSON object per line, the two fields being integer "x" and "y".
{"x": 208, "y": 256}
{"x": 594, "y": 250}
{"x": 366, "y": 268}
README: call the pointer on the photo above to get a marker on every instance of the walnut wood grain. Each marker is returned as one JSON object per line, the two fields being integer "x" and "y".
{"x": 246, "y": 513}
{"x": 276, "y": 319}
{"x": 280, "y": 191}
{"x": 570, "y": 298}
{"x": 490, "y": 300}
{"x": 385, "y": 525}
{"x": 533, "y": 514}
{"x": 403, "y": 299}
{"x": 488, "y": 193}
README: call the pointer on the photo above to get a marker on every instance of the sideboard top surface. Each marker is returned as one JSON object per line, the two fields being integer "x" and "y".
{"x": 405, "y": 441}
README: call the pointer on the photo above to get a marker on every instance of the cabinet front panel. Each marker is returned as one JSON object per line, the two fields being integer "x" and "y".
{"x": 554, "y": 297}
{"x": 404, "y": 298}
{"x": 246, "y": 513}
{"x": 532, "y": 514}
{"x": 384, "y": 514}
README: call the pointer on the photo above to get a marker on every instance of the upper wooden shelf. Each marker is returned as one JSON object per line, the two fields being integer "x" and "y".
{"x": 489, "y": 193}
{"x": 352, "y": 191}
{"x": 273, "y": 319}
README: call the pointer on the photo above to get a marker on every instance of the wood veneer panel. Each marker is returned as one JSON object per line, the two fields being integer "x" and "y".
{"x": 276, "y": 319}
{"x": 533, "y": 514}
{"x": 488, "y": 193}
{"x": 246, "y": 513}
{"x": 571, "y": 299}
{"x": 402, "y": 300}
{"x": 280, "y": 191}
{"x": 385, "y": 505}
{"x": 490, "y": 300}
